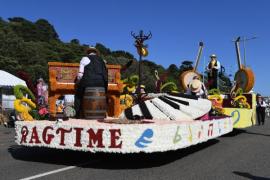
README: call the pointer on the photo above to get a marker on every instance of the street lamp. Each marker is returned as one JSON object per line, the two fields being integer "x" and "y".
{"x": 142, "y": 51}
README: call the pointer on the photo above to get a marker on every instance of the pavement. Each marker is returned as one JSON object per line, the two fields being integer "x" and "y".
{"x": 242, "y": 154}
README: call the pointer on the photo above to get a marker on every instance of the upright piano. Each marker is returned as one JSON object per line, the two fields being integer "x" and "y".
{"x": 62, "y": 81}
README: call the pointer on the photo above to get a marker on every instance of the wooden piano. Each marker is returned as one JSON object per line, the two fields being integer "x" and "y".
{"x": 62, "y": 81}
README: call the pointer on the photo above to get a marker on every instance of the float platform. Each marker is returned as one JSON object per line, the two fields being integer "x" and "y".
{"x": 102, "y": 136}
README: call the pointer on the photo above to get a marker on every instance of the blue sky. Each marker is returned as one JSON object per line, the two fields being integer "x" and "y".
{"x": 177, "y": 27}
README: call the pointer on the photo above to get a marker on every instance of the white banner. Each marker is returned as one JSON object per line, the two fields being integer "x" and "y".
{"x": 94, "y": 136}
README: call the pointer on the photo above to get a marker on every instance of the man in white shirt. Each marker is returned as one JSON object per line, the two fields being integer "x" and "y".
{"x": 260, "y": 109}
{"x": 92, "y": 73}
{"x": 213, "y": 68}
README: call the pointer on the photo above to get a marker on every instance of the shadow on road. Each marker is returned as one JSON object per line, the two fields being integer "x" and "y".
{"x": 103, "y": 160}
{"x": 258, "y": 134}
{"x": 235, "y": 132}
{"x": 249, "y": 176}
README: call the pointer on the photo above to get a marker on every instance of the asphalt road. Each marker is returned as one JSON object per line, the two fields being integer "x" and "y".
{"x": 243, "y": 154}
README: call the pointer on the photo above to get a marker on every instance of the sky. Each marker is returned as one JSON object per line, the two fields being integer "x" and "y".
{"x": 177, "y": 28}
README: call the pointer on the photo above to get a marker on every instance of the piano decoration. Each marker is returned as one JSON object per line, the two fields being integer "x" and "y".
{"x": 62, "y": 81}
{"x": 172, "y": 106}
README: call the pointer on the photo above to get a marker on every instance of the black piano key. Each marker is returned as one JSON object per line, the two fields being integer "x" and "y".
{"x": 129, "y": 113}
{"x": 184, "y": 95}
{"x": 174, "y": 105}
{"x": 177, "y": 100}
{"x": 146, "y": 113}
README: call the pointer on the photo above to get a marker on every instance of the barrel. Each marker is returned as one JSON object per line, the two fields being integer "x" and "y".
{"x": 94, "y": 103}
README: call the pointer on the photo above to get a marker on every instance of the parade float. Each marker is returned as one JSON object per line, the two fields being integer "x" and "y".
{"x": 241, "y": 102}
{"x": 158, "y": 123}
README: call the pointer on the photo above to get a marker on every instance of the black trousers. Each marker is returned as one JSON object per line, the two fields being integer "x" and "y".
{"x": 212, "y": 79}
{"x": 260, "y": 115}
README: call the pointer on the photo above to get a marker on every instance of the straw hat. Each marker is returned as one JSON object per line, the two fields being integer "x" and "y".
{"x": 92, "y": 50}
{"x": 195, "y": 85}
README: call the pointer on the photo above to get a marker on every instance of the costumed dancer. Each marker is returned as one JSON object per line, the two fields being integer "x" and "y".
{"x": 260, "y": 109}
{"x": 92, "y": 73}
{"x": 197, "y": 88}
{"x": 212, "y": 68}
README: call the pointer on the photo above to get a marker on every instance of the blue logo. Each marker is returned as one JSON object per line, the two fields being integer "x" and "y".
{"x": 236, "y": 116}
{"x": 145, "y": 138}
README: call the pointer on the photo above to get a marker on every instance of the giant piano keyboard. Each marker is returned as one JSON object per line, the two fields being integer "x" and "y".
{"x": 62, "y": 81}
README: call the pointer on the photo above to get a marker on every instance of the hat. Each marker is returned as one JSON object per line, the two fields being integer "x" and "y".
{"x": 92, "y": 50}
{"x": 213, "y": 56}
{"x": 195, "y": 85}
{"x": 40, "y": 79}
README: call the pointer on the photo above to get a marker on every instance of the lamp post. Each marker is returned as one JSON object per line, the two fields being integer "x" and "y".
{"x": 142, "y": 51}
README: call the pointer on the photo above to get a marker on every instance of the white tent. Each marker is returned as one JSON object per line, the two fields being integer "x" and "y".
{"x": 7, "y": 79}
{"x": 7, "y": 82}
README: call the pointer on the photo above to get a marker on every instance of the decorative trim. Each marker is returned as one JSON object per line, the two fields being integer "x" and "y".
{"x": 97, "y": 136}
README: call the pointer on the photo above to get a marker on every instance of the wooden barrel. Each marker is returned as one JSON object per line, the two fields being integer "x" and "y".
{"x": 94, "y": 103}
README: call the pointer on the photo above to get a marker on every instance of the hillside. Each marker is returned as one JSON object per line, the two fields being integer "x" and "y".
{"x": 29, "y": 46}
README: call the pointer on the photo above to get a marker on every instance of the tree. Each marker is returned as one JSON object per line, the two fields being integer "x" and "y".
{"x": 103, "y": 50}
{"x": 185, "y": 66}
{"x": 173, "y": 71}
{"x": 75, "y": 41}
{"x": 46, "y": 31}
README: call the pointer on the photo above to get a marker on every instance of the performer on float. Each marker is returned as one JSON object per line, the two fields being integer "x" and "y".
{"x": 92, "y": 73}
{"x": 212, "y": 68}
{"x": 197, "y": 88}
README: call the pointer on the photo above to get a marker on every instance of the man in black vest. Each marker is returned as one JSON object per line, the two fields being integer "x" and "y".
{"x": 92, "y": 73}
{"x": 260, "y": 109}
{"x": 212, "y": 68}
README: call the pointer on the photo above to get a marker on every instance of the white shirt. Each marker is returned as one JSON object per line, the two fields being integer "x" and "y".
{"x": 84, "y": 61}
{"x": 261, "y": 103}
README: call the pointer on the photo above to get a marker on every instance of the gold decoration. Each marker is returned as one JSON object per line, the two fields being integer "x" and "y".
{"x": 19, "y": 105}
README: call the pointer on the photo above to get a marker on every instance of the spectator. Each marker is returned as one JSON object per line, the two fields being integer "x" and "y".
{"x": 260, "y": 109}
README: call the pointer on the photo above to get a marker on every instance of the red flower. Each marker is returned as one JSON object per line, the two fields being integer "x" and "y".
{"x": 43, "y": 111}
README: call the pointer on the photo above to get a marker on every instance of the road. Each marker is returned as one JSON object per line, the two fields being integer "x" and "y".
{"x": 243, "y": 154}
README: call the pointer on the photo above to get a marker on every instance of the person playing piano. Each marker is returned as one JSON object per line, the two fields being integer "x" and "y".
{"x": 92, "y": 73}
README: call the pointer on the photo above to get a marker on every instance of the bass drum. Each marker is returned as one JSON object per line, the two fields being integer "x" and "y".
{"x": 186, "y": 77}
{"x": 245, "y": 79}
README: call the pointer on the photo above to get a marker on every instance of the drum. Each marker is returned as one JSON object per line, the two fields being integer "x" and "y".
{"x": 94, "y": 103}
{"x": 186, "y": 77}
{"x": 245, "y": 79}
